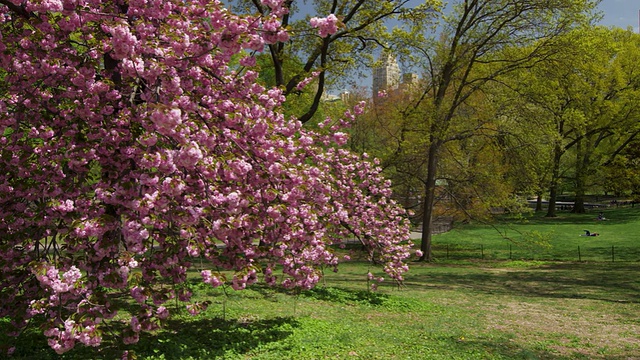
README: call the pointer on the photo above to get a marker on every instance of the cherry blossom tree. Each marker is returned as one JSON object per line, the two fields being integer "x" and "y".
{"x": 135, "y": 139}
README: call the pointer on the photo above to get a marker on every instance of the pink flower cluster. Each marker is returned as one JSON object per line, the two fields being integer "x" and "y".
{"x": 302, "y": 84}
{"x": 62, "y": 340}
{"x": 326, "y": 26}
{"x": 64, "y": 289}
{"x": 133, "y": 142}
{"x": 209, "y": 278}
{"x": 50, "y": 278}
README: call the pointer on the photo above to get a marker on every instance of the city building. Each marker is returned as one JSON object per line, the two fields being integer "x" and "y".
{"x": 386, "y": 76}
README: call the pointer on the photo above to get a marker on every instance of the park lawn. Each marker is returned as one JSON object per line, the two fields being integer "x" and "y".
{"x": 535, "y": 237}
{"x": 449, "y": 309}
{"x": 470, "y": 310}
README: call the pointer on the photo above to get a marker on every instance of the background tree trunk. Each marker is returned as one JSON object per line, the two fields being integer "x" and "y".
{"x": 578, "y": 200}
{"x": 539, "y": 203}
{"x": 553, "y": 187}
{"x": 429, "y": 201}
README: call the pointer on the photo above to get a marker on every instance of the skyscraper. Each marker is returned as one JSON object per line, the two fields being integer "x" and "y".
{"x": 387, "y": 76}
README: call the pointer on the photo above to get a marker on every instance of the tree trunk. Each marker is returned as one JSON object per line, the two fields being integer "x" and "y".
{"x": 553, "y": 194}
{"x": 539, "y": 202}
{"x": 553, "y": 187}
{"x": 581, "y": 163}
{"x": 578, "y": 201}
{"x": 429, "y": 201}
{"x": 578, "y": 204}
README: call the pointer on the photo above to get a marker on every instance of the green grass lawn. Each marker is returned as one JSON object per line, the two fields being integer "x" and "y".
{"x": 455, "y": 309}
{"x": 538, "y": 238}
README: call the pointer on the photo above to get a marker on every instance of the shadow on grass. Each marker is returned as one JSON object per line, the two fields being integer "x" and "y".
{"x": 210, "y": 338}
{"x": 471, "y": 349}
{"x": 596, "y": 281}
{"x": 501, "y": 346}
{"x": 214, "y": 338}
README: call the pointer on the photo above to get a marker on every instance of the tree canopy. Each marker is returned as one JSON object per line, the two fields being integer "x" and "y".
{"x": 359, "y": 29}
{"x": 470, "y": 53}
{"x": 136, "y": 139}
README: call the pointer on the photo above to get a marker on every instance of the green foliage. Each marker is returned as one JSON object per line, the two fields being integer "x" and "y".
{"x": 579, "y": 105}
{"x": 535, "y": 238}
{"x": 362, "y": 31}
{"x": 622, "y": 175}
{"x": 450, "y": 128}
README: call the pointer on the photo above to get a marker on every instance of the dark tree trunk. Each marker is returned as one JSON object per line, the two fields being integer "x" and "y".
{"x": 539, "y": 203}
{"x": 429, "y": 201}
{"x": 553, "y": 194}
{"x": 581, "y": 173}
{"x": 578, "y": 205}
{"x": 553, "y": 187}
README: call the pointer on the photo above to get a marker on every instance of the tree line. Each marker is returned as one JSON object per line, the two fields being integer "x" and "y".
{"x": 516, "y": 99}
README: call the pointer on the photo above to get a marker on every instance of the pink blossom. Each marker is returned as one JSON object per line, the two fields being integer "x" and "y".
{"x": 189, "y": 155}
{"x": 45, "y": 6}
{"x": 65, "y": 206}
{"x": 162, "y": 312}
{"x": 326, "y": 26}
{"x": 301, "y": 85}
{"x": 340, "y": 138}
{"x": 167, "y": 121}
{"x": 208, "y": 278}
{"x": 282, "y": 36}
{"x": 123, "y": 41}
{"x": 248, "y": 61}
{"x": 142, "y": 144}
{"x": 135, "y": 324}
{"x": 193, "y": 309}
{"x": 137, "y": 293}
{"x": 133, "y": 339}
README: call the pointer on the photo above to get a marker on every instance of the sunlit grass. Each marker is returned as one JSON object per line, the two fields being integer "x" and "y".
{"x": 548, "y": 310}
{"x": 450, "y": 309}
{"x": 539, "y": 238}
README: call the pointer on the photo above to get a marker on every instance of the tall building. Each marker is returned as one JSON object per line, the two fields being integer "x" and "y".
{"x": 387, "y": 76}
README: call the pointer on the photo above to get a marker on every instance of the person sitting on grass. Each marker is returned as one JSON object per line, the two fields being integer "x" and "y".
{"x": 601, "y": 217}
{"x": 589, "y": 233}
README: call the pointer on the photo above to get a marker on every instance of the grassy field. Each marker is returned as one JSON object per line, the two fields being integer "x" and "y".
{"x": 538, "y": 238}
{"x": 455, "y": 309}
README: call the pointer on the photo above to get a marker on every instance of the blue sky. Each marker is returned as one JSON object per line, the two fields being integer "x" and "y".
{"x": 620, "y": 13}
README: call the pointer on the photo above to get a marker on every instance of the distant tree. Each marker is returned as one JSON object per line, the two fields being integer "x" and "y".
{"x": 472, "y": 50}
{"x": 388, "y": 132}
{"x": 622, "y": 175}
{"x": 524, "y": 141}
{"x": 586, "y": 96}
